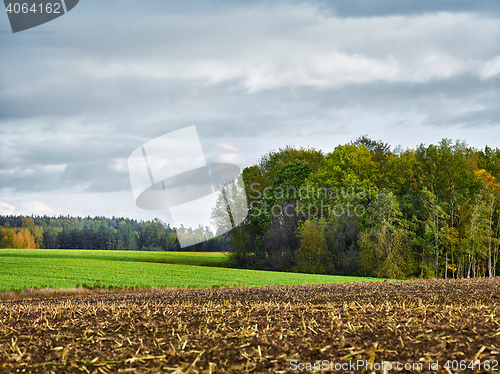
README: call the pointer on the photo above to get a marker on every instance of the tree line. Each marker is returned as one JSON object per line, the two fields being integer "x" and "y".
{"x": 65, "y": 232}
{"x": 365, "y": 209}
{"x": 362, "y": 209}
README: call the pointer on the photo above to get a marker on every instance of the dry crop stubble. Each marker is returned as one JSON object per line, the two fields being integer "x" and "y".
{"x": 253, "y": 329}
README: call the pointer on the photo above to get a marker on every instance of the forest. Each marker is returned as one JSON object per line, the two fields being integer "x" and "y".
{"x": 361, "y": 209}
{"x": 65, "y": 232}
{"x": 429, "y": 212}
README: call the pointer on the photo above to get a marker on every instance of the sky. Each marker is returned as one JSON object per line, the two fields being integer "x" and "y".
{"x": 79, "y": 94}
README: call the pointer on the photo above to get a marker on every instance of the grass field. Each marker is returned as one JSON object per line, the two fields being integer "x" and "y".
{"x": 36, "y": 268}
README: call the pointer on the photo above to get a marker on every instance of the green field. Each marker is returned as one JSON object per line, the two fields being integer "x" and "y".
{"x": 36, "y": 268}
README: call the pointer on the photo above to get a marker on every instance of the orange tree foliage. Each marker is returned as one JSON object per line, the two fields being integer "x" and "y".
{"x": 16, "y": 238}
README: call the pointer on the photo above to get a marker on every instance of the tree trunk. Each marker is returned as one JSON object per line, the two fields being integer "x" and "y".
{"x": 474, "y": 266}
{"x": 436, "y": 265}
{"x": 446, "y": 267}
{"x": 495, "y": 249}
{"x": 490, "y": 273}
{"x": 470, "y": 265}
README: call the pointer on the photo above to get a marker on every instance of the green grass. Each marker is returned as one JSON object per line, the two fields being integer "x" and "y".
{"x": 36, "y": 268}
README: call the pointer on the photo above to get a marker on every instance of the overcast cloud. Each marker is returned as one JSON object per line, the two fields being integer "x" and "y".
{"x": 80, "y": 93}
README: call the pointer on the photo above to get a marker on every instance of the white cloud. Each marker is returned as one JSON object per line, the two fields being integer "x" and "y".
{"x": 119, "y": 165}
{"x": 36, "y": 207}
{"x": 490, "y": 68}
{"x": 26, "y": 207}
{"x": 6, "y": 208}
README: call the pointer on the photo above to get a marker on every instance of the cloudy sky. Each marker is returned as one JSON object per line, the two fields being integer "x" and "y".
{"x": 79, "y": 94}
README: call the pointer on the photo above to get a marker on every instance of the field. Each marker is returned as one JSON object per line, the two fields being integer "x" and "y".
{"x": 260, "y": 330}
{"x": 65, "y": 269}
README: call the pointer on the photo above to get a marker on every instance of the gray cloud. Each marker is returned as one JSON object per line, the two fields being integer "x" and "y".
{"x": 367, "y": 8}
{"x": 81, "y": 93}
{"x": 103, "y": 176}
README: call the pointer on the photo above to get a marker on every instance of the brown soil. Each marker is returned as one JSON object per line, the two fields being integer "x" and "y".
{"x": 262, "y": 330}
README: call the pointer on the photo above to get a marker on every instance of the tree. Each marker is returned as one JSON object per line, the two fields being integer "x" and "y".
{"x": 312, "y": 255}
{"x": 385, "y": 245}
{"x": 127, "y": 237}
{"x": 476, "y": 237}
{"x": 398, "y": 173}
{"x": 149, "y": 236}
{"x": 28, "y": 222}
{"x": 342, "y": 234}
{"x": 345, "y": 181}
{"x": 23, "y": 239}
{"x": 426, "y": 219}
{"x": 489, "y": 160}
{"x": 267, "y": 239}
{"x": 482, "y": 220}
{"x": 50, "y": 237}
{"x": 278, "y": 217}
{"x": 378, "y": 149}
{"x": 447, "y": 171}
{"x": 6, "y": 237}
{"x": 385, "y": 252}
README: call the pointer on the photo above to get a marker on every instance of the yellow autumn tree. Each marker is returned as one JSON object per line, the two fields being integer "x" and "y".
{"x": 23, "y": 239}
{"x": 6, "y": 236}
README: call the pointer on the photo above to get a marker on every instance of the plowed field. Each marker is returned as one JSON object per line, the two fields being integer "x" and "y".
{"x": 344, "y": 327}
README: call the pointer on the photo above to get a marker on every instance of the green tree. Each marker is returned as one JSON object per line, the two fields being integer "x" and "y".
{"x": 397, "y": 173}
{"x": 346, "y": 181}
{"x": 386, "y": 249}
{"x": 266, "y": 237}
{"x": 476, "y": 238}
{"x": 312, "y": 255}
{"x": 378, "y": 149}
{"x": 127, "y": 237}
{"x": 491, "y": 197}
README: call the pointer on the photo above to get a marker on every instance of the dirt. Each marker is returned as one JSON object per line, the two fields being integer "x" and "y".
{"x": 261, "y": 330}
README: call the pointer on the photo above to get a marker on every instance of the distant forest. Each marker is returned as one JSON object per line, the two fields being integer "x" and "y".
{"x": 98, "y": 233}
{"x": 362, "y": 209}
